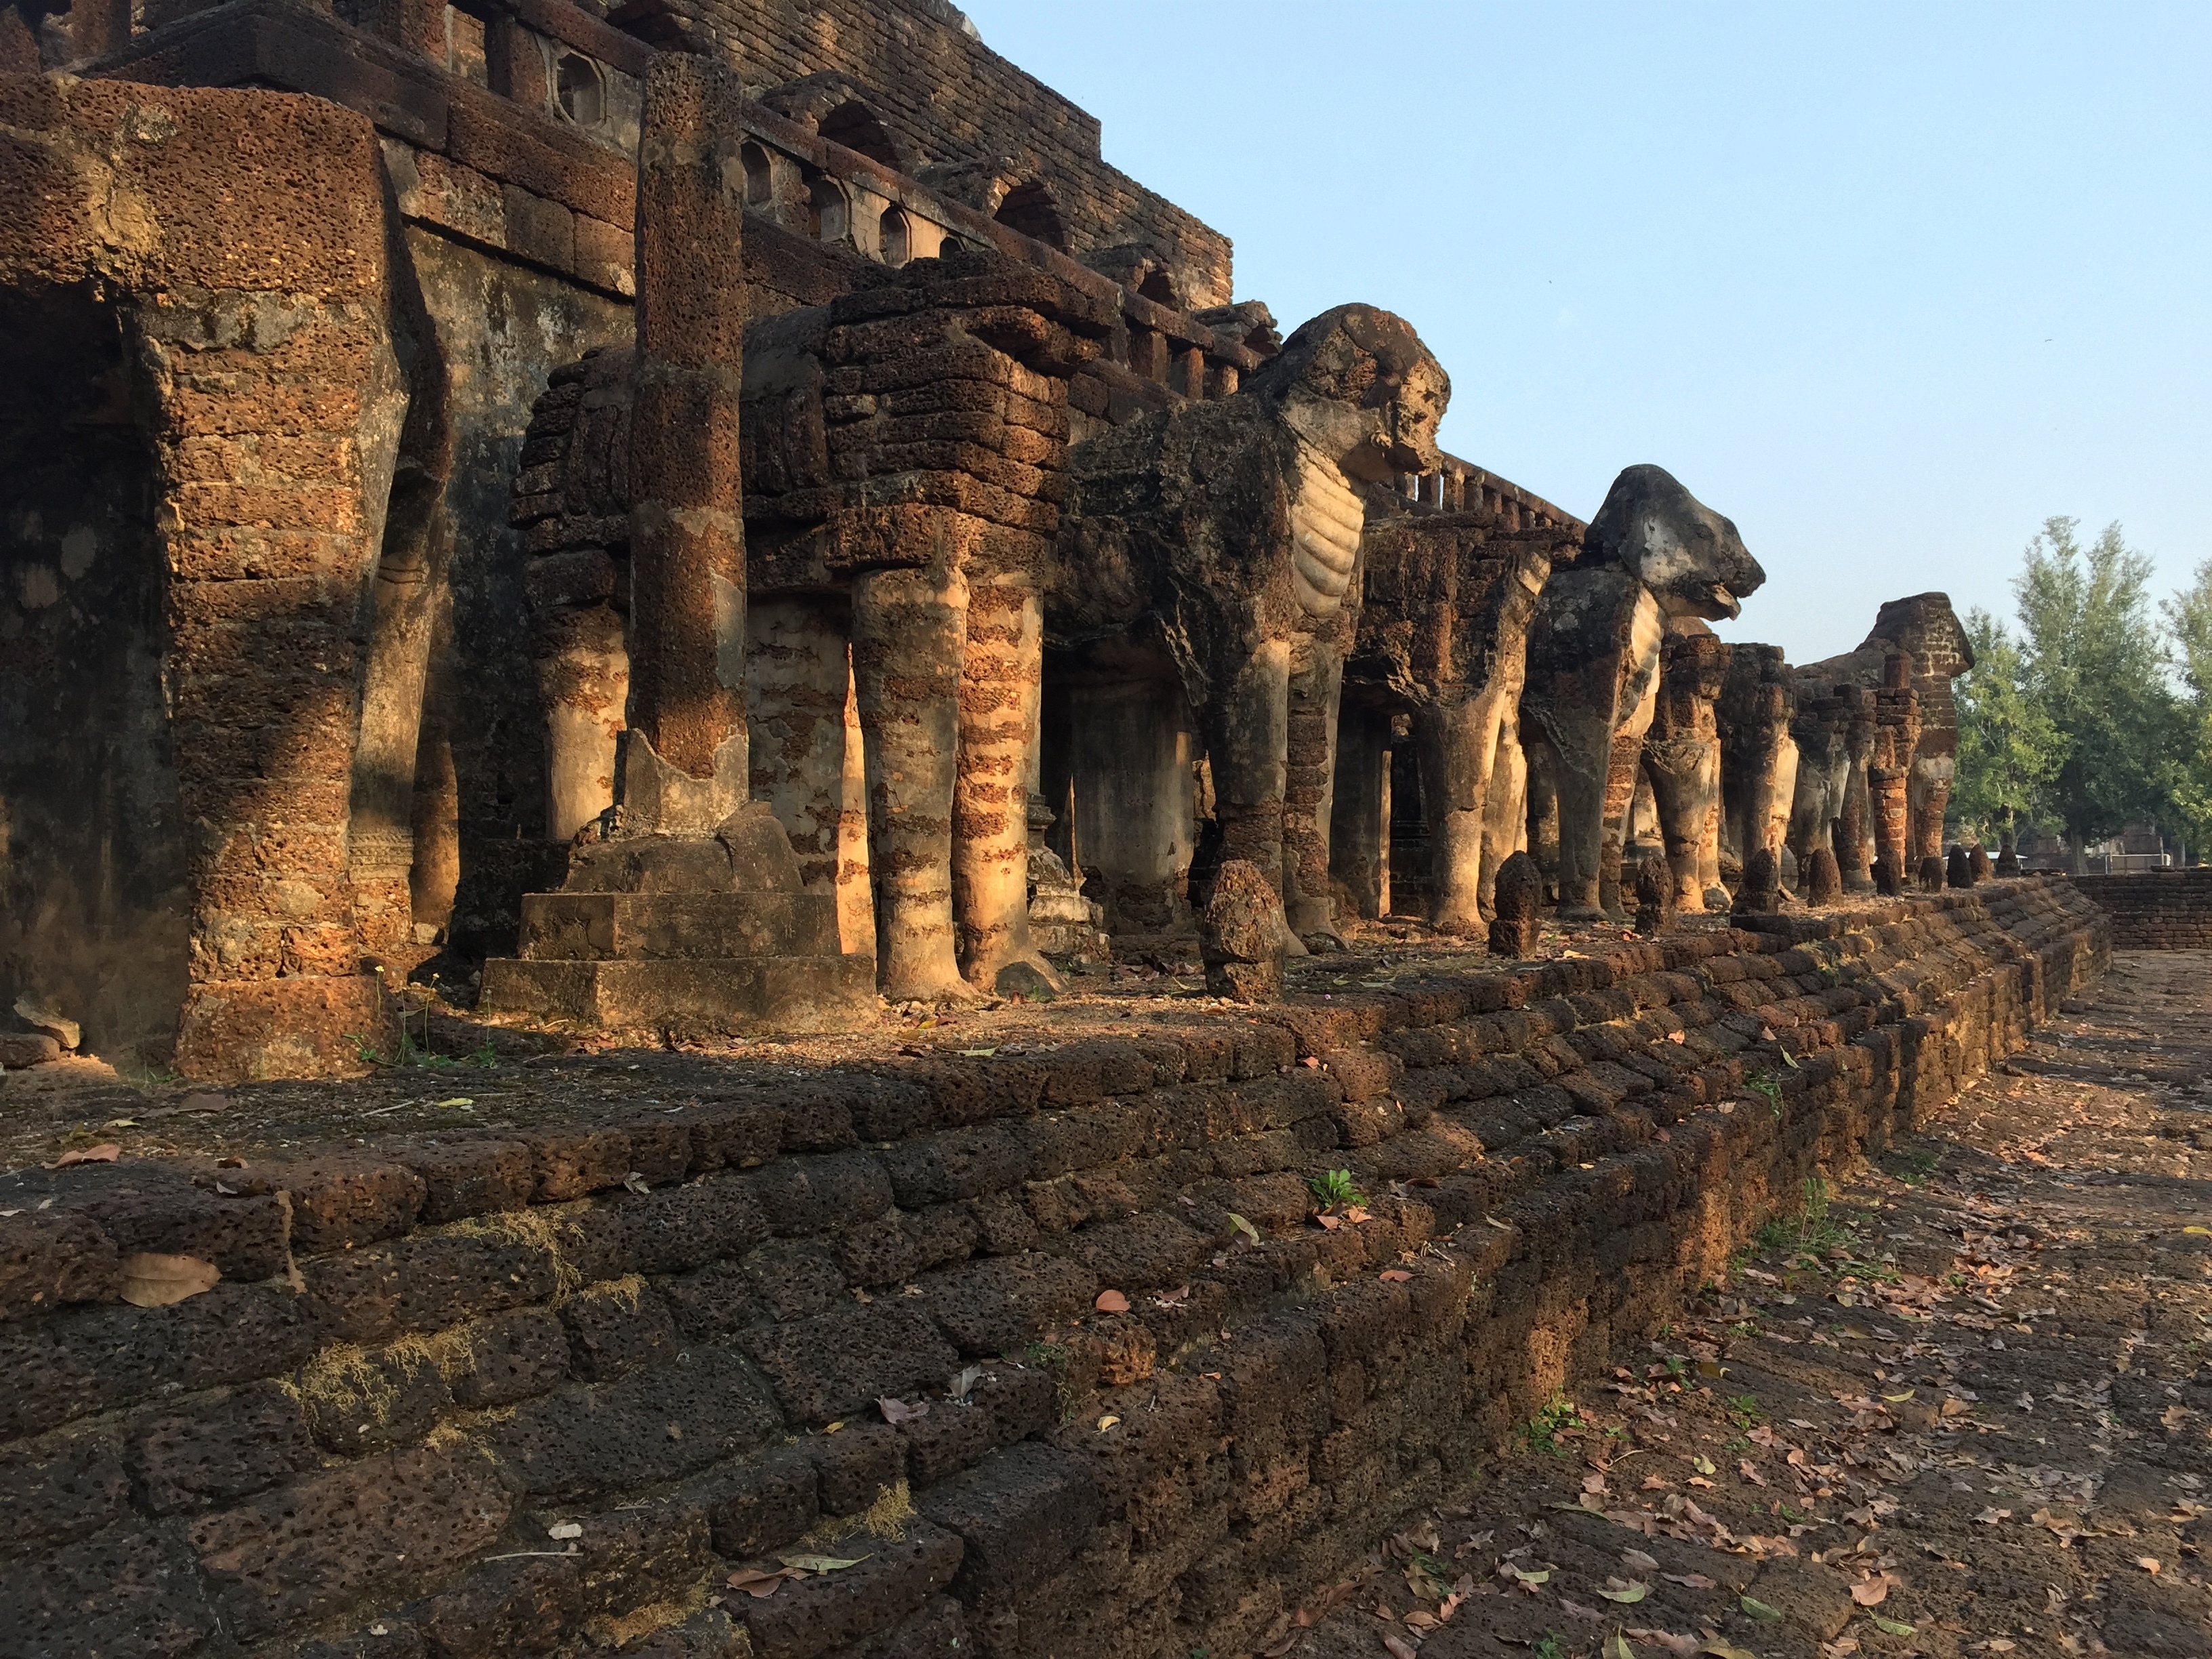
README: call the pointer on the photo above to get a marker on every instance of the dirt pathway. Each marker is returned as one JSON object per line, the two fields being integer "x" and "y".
{"x": 1963, "y": 1404}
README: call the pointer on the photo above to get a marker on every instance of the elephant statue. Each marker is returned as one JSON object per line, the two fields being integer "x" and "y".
{"x": 1654, "y": 554}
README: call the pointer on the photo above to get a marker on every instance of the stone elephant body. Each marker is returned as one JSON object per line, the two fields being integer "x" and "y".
{"x": 1653, "y": 554}
{"x": 1224, "y": 538}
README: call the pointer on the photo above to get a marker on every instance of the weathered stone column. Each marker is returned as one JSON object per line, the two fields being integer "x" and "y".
{"x": 798, "y": 680}
{"x": 692, "y": 913}
{"x": 682, "y": 766}
{"x": 1001, "y": 686}
{"x": 909, "y": 632}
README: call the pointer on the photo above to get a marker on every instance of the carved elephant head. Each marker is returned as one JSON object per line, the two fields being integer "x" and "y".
{"x": 1689, "y": 555}
{"x": 1357, "y": 383}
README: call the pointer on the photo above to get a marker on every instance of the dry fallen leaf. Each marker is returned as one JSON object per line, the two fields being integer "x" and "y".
{"x": 1638, "y": 1561}
{"x": 563, "y": 1530}
{"x": 1869, "y": 1592}
{"x": 897, "y": 1411}
{"x": 820, "y": 1563}
{"x": 1626, "y": 1594}
{"x": 1992, "y": 1515}
{"x": 1758, "y": 1610}
{"x": 1395, "y": 1276}
{"x": 1399, "y": 1649}
{"x": 756, "y": 1584}
{"x": 106, "y": 1152}
{"x": 1691, "y": 1580}
{"x": 2147, "y": 1563}
{"x": 1111, "y": 1302}
{"x": 156, "y": 1281}
{"x": 1889, "y": 1627}
{"x": 1107, "y": 1422}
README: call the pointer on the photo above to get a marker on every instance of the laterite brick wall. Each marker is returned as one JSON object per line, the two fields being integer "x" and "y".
{"x": 428, "y": 1360}
{"x": 2155, "y": 911}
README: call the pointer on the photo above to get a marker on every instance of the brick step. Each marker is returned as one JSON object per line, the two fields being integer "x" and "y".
{"x": 695, "y": 928}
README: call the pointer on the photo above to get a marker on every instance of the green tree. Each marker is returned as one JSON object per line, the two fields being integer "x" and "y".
{"x": 2092, "y": 659}
{"x": 2189, "y": 621}
{"x": 2009, "y": 748}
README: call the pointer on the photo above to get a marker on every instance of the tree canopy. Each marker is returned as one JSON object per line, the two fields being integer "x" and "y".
{"x": 2076, "y": 720}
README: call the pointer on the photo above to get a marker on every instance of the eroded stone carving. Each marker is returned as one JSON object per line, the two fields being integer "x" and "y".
{"x": 1442, "y": 644}
{"x": 1653, "y": 553}
{"x": 1682, "y": 760}
{"x": 1226, "y": 534}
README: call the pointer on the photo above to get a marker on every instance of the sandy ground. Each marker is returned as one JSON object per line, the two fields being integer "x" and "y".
{"x": 1962, "y": 1406}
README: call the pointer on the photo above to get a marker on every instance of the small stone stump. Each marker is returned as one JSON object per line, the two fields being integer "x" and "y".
{"x": 2008, "y": 864}
{"x": 1519, "y": 894}
{"x": 1655, "y": 895}
{"x": 1977, "y": 865}
{"x": 1824, "y": 878}
{"x": 1888, "y": 881}
{"x": 1958, "y": 871}
{"x": 1932, "y": 874}
{"x": 1760, "y": 894}
{"x": 1241, "y": 935}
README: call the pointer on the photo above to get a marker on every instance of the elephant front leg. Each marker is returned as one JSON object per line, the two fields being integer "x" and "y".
{"x": 1686, "y": 783}
{"x": 1458, "y": 737}
{"x": 1582, "y": 750}
{"x": 909, "y": 631}
{"x": 1317, "y": 687}
{"x": 1248, "y": 733}
{"x": 1505, "y": 809}
{"x": 999, "y": 683}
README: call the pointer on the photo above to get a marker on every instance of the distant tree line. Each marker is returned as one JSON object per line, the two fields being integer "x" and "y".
{"x": 2092, "y": 710}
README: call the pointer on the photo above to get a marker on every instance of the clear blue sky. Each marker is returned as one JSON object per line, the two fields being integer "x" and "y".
{"x": 1886, "y": 284}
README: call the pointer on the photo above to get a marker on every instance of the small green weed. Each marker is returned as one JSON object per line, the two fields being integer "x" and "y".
{"x": 1910, "y": 1165}
{"x": 1336, "y": 1190}
{"x": 1743, "y": 1410}
{"x": 1767, "y": 1088}
{"x": 1557, "y": 1418}
{"x": 1549, "y": 1648}
{"x": 1807, "y": 1235}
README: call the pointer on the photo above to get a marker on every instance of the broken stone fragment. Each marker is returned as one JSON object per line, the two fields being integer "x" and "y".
{"x": 1760, "y": 893}
{"x": 1520, "y": 893}
{"x": 42, "y": 1014}
{"x": 1655, "y": 894}
{"x": 22, "y": 1049}
{"x": 1823, "y": 878}
{"x": 1241, "y": 935}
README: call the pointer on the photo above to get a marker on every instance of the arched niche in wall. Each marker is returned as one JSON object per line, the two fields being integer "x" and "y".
{"x": 580, "y": 89}
{"x": 896, "y": 235}
{"x": 760, "y": 175}
{"x": 829, "y": 212}
{"x": 1030, "y": 208}
{"x": 855, "y": 125}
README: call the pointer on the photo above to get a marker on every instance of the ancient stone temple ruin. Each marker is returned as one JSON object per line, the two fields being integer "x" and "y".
{"x": 703, "y": 519}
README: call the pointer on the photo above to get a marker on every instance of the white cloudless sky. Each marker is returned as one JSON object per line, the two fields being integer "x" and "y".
{"x": 1886, "y": 284}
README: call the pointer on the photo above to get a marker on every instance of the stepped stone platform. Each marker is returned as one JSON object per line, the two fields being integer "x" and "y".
{"x": 703, "y": 934}
{"x": 538, "y": 1358}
